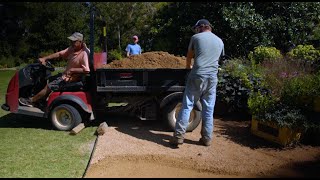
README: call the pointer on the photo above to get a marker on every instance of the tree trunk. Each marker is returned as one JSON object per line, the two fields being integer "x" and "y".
{"x": 119, "y": 37}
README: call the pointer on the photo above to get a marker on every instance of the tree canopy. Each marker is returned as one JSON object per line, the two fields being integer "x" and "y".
{"x": 29, "y": 28}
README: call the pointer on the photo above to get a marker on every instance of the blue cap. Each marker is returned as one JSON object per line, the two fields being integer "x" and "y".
{"x": 202, "y": 22}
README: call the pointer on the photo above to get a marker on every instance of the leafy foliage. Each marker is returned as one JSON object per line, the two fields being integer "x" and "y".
{"x": 260, "y": 103}
{"x": 125, "y": 19}
{"x": 266, "y": 108}
{"x": 30, "y": 28}
{"x": 293, "y": 86}
{"x": 306, "y": 52}
{"x": 301, "y": 91}
{"x": 115, "y": 55}
{"x": 286, "y": 116}
{"x": 8, "y": 62}
{"x": 276, "y": 72}
{"x": 245, "y": 27}
{"x": 262, "y": 53}
{"x": 236, "y": 81}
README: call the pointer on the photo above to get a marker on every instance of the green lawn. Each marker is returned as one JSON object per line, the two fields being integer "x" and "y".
{"x": 30, "y": 148}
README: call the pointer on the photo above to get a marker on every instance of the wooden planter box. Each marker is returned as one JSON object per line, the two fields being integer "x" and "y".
{"x": 271, "y": 132}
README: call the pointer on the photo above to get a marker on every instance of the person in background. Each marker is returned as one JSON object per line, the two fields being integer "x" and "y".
{"x": 206, "y": 49}
{"x": 78, "y": 63}
{"x": 133, "y": 48}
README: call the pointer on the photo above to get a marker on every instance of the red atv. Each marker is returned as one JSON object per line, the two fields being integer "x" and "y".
{"x": 66, "y": 108}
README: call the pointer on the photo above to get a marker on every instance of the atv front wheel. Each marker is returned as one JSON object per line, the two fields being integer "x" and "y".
{"x": 64, "y": 117}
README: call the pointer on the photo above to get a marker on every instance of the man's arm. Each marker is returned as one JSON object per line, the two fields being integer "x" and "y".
{"x": 79, "y": 70}
{"x": 52, "y": 56}
{"x": 128, "y": 50}
{"x": 190, "y": 55}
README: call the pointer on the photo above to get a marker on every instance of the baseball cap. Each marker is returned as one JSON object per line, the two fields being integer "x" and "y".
{"x": 76, "y": 37}
{"x": 202, "y": 22}
{"x": 135, "y": 37}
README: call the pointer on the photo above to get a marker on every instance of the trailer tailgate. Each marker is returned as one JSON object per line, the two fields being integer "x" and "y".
{"x": 141, "y": 80}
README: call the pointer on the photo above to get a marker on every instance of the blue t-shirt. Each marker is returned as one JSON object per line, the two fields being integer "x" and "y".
{"x": 133, "y": 49}
{"x": 207, "y": 48}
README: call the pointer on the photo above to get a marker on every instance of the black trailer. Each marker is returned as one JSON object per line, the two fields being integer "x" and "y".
{"x": 149, "y": 94}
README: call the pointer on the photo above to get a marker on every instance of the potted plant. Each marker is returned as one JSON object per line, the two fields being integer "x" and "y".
{"x": 275, "y": 121}
{"x": 285, "y": 113}
{"x": 304, "y": 92}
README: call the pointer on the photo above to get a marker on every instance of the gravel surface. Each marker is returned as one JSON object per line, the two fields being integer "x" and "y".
{"x": 135, "y": 148}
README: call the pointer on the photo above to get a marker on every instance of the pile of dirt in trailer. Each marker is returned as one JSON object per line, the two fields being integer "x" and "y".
{"x": 149, "y": 60}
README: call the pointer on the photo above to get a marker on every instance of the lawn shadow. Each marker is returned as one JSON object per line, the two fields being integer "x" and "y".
{"x": 12, "y": 120}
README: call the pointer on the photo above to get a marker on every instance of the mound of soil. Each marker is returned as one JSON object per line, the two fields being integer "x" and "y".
{"x": 149, "y": 60}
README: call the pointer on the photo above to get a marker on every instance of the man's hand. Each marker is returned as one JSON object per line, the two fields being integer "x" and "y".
{"x": 189, "y": 67}
{"x": 66, "y": 78}
{"x": 43, "y": 61}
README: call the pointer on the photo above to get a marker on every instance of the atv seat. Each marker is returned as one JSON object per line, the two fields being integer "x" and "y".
{"x": 74, "y": 86}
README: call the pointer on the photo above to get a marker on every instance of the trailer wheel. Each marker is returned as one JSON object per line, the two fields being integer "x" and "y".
{"x": 64, "y": 117}
{"x": 171, "y": 111}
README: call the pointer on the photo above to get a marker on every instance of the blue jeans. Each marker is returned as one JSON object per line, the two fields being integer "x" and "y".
{"x": 201, "y": 88}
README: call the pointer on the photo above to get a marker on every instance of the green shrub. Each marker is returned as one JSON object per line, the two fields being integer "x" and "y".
{"x": 30, "y": 60}
{"x": 114, "y": 54}
{"x": 305, "y": 52}
{"x": 300, "y": 91}
{"x": 276, "y": 73}
{"x": 236, "y": 81}
{"x": 259, "y": 103}
{"x": 240, "y": 69}
{"x": 8, "y": 62}
{"x": 45, "y": 53}
{"x": 286, "y": 116}
{"x": 262, "y": 53}
{"x": 97, "y": 49}
{"x": 22, "y": 65}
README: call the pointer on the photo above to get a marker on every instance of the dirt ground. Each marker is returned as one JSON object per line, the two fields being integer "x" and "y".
{"x": 154, "y": 59}
{"x": 133, "y": 148}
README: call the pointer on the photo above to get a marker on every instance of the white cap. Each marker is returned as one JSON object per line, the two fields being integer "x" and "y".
{"x": 76, "y": 37}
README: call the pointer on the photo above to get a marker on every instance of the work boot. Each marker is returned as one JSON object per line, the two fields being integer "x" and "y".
{"x": 176, "y": 141}
{"x": 205, "y": 142}
{"x": 25, "y": 102}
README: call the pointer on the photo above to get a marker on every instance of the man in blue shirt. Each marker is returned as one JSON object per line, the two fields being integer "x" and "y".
{"x": 134, "y": 48}
{"x": 206, "y": 49}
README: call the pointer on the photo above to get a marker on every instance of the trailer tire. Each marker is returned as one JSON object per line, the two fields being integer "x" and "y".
{"x": 64, "y": 117}
{"x": 171, "y": 110}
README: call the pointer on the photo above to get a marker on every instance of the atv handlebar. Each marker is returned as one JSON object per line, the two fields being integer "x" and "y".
{"x": 48, "y": 65}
